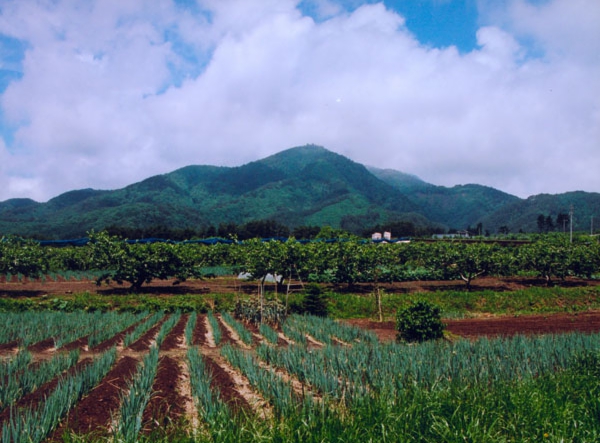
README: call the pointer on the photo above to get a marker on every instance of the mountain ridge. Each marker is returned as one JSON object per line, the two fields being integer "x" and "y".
{"x": 300, "y": 186}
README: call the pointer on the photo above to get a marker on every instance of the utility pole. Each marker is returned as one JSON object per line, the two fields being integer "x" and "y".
{"x": 571, "y": 223}
{"x": 592, "y": 225}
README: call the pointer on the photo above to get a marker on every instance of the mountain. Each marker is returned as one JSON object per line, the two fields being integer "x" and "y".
{"x": 307, "y": 185}
{"x": 302, "y": 186}
{"x": 523, "y": 214}
{"x": 458, "y": 207}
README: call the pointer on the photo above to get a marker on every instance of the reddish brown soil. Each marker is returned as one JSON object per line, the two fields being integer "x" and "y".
{"x": 33, "y": 399}
{"x": 143, "y": 343}
{"x": 166, "y": 406}
{"x": 199, "y": 335}
{"x": 94, "y": 412}
{"x": 495, "y": 326}
{"x": 225, "y": 334}
{"x": 42, "y": 346}
{"x": 9, "y": 347}
{"x": 174, "y": 339}
{"x": 254, "y": 330}
{"x": 77, "y": 344}
{"x": 26, "y": 288}
{"x": 224, "y": 384}
{"x": 106, "y": 345}
{"x": 535, "y": 324}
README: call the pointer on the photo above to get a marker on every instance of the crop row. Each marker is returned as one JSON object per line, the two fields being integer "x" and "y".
{"x": 356, "y": 388}
{"x": 63, "y": 327}
{"x": 34, "y": 424}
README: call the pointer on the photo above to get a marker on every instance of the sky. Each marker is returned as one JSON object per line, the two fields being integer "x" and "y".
{"x": 104, "y": 93}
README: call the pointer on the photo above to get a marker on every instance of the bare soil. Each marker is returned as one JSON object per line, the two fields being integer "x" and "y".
{"x": 500, "y": 326}
{"x": 39, "y": 287}
{"x": 93, "y": 414}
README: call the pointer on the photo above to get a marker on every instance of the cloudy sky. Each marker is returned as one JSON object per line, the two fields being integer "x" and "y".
{"x": 104, "y": 93}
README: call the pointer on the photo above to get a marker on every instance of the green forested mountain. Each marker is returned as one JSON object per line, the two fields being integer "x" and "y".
{"x": 457, "y": 207}
{"x": 523, "y": 214}
{"x": 303, "y": 186}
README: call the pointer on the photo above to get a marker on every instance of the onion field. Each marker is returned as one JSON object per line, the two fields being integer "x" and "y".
{"x": 126, "y": 377}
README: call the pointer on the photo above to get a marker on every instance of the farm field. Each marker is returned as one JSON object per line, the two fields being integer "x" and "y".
{"x": 523, "y": 364}
{"x": 202, "y": 377}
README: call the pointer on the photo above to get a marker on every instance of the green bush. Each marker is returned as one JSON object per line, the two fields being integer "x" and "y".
{"x": 315, "y": 301}
{"x": 420, "y": 322}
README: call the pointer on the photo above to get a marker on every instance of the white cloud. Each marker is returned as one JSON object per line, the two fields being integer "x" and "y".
{"x": 99, "y": 104}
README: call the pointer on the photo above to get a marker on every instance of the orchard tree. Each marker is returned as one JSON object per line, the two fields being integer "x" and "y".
{"x": 376, "y": 261}
{"x": 20, "y": 256}
{"x": 138, "y": 263}
{"x": 548, "y": 258}
{"x": 584, "y": 259}
{"x": 69, "y": 258}
{"x": 342, "y": 259}
{"x": 466, "y": 261}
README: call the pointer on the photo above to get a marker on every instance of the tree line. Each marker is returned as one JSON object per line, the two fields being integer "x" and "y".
{"x": 349, "y": 262}
{"x": 267, "y": 229}
{"x": 545, "y": 223}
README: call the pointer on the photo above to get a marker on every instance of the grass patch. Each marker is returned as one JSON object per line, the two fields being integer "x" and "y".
{"x": 460, "y": 304}
{"x": 454, "y": 304}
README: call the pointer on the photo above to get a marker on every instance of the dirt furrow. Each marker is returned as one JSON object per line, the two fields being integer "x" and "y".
{"x": 92, "y": 416}
{"x": 37, "y": 397}
{"x": 234, "y": 388}
{"x": 165, "y": 410}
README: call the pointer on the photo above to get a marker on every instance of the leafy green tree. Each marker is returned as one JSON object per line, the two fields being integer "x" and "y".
{"x": 261, "y": 259}
{"x": 263, "y": 229}
{"x": 20, "y": 256}
{"x": 305, "y": 232}
{"x": 562, "y": 222}
{"x": 548, "y": 258}
{"x": 139, "y": 263}
{"x": 585, "y": 259}
{"x": 376, "y": 261}
{"x": 70, "y": 258}
{"x": 342, "y": 260}
{"x": 541, "y": 223}
{"x": 504, "y": 230}
{"x": 327, "y": 232}
{"x": 548, "y": 225}
{"x": 466, "y": 261}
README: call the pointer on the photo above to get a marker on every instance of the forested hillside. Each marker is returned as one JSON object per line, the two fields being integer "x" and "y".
{"x": 301, "y": 187}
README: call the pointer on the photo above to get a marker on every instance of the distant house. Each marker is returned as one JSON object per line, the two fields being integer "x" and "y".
{"x": 377, "y": 236}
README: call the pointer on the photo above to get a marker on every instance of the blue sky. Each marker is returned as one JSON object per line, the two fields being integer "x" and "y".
{"x": 104, "y": 93}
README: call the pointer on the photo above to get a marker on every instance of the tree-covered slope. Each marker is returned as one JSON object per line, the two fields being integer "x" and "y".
{"x": 523, "y": 214}
{"x": 300, "y": 186}
{"x": 303, "y": 186}
{"x": 458, "y": 207}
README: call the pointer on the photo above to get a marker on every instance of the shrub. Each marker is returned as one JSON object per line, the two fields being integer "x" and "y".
{"x": 420, "y": 322}
{"x": 315, "y": 301}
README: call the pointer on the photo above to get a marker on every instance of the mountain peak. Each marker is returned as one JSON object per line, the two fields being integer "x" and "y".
{"x": 301, "y": 186}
